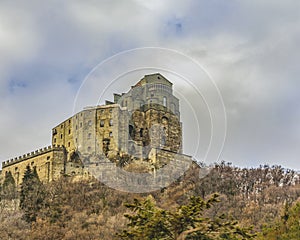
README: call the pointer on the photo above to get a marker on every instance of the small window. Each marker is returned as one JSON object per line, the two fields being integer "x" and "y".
{"x": 16, "y": 168}
{"x": 89, "y": 149}
{"x": 172, "y": 107}
{"x": 76, "y": 127}
{"x": 90, "y": 122}
{"x": 141, "y": 132}
{"x": 61, "y": 136}
{"x": 89, "y": 136}
{"x": 54, "y": 140}
{"x": 69, "y": 144}
{"x": 61, "y": 126}
{"x": 102, "y": 123}
{"x": 110, "y": 134}
{"x": 76, "y": 140}
{"x": 81, "y": 124}
{"x": 164, "y": 120}
{"x": 69, "y": 131}
{"x": 110, "y": 122}
{"x": 32, "y": 163}
{"x": 48, "y": 158}
{"x": 69, "y": 120}
{"x": 165, "y": 101}
{"x": 110, "y": 110}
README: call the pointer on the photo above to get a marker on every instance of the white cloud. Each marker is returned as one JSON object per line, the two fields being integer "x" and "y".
{"x": 249, "y": 47}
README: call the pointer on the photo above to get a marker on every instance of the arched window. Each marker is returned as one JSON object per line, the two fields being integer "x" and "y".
{"x": 131, "y": 131}
{"x": 164, "y": 120}
{"x": 172, "y": 107}
{"x": 164, "y": 101}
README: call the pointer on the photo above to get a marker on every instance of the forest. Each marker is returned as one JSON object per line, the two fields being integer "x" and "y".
{"x": 227, "y": 203}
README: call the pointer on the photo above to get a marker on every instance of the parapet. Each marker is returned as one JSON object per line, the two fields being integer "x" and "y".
{"x": 31, "y": 155}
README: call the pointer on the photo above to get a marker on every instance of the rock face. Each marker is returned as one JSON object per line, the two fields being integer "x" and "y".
{"x": 140, "y": 125}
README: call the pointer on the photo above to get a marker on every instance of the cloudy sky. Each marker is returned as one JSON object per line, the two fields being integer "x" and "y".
{"x": 250, "y": 49}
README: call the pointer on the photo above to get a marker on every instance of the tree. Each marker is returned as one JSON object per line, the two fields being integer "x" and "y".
{"x": 186, "y": 222}
{"x": 287, "y": 227}
{"x": 32, "y": 194}
{"x": 9, "y": 189}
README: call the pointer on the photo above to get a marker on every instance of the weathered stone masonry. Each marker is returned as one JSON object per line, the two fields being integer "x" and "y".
{"x": 138, "y": 123}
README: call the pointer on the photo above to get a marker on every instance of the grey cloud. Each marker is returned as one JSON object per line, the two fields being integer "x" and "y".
{"x": 249, "y": 47}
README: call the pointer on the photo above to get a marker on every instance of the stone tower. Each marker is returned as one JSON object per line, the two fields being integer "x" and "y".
{"x": 145, "y": 117}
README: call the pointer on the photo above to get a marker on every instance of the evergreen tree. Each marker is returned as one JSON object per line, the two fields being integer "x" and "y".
{"x": 285, "y": 228}
{"x": 32, "y": 194}
{"x": 186, "y": 222}
{"x": 9, "y": 189}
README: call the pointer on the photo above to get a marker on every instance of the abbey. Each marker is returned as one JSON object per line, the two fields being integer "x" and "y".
{"x": 142, "y": 124}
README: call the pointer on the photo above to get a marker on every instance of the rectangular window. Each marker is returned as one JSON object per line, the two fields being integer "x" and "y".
{"x": 110, "y": 134}
{"x": 110, "y": 122}
{"x": 101, "y": 123}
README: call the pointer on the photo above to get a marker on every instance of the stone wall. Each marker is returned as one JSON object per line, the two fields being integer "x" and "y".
{"x": 175, "y": 165}
{"x": 49, "y": 163}
{"x": 87, "y": 130}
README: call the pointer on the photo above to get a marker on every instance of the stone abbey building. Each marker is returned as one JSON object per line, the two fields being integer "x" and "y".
{"x": 142, "y": 124}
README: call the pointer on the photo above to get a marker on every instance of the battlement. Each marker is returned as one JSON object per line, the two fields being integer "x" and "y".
{"x": 27, "y": 156}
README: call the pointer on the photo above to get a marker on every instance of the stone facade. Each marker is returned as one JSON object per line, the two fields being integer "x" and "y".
{"x": 49, "y": 163}
{"x": 136, "y": 123}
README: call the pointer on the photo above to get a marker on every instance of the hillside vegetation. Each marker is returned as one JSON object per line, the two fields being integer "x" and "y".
{"x": 258, "y": 203}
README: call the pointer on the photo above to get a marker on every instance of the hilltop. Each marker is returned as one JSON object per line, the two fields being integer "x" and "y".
{"x": 90, "y": 210}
